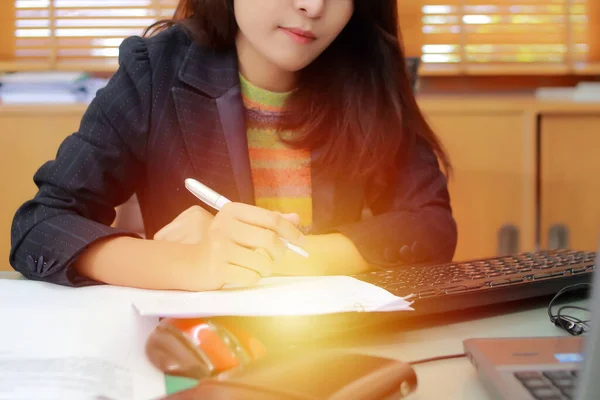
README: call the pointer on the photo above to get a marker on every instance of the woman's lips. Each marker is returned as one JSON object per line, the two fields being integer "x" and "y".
{"x": 299, "y": 35}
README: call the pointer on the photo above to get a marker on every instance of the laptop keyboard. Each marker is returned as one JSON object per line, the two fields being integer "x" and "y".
{"x": 478, "y": 275}
{"x": 549, "y": 385}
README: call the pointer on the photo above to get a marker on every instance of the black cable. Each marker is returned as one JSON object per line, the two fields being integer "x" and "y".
{"x": 573, "y": 325}
{"x": 438, "y": 358}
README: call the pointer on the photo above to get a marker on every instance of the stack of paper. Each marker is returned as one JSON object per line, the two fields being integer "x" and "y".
{"x": 56, "y": 344}
{"x": 48, "y": 87}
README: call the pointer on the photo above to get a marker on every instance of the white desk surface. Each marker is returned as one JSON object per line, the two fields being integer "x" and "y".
{"x": 456, "y": 378}
{"x": 448, "y": 379}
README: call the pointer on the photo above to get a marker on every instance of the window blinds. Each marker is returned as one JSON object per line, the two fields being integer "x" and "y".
{"x": 452, "y": 36}
{"x": 80, "y": 34}
{"x": 504, "y": 36}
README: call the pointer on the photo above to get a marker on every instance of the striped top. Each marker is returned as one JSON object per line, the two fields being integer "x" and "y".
{"x": 281, "y": 175}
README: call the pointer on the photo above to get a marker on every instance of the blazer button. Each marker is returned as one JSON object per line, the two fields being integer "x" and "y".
{"x": 34, "y": 264}
{"x": 405, "y": 253}
{"x": 390, "y": 255}
{"x": 31, "y": 262}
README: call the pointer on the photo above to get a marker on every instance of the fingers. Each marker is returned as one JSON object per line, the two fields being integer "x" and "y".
{"x": 237, "y": 276}
{"x": 251, "y": 260}
{"x": 257, "y": 238}
{"x": 189, "y": 227}
{"x": 293, "y": 218}
{"x": 167, "y": 232}
{"x": 265, "y": 219}
{"x": 177, "y": 232}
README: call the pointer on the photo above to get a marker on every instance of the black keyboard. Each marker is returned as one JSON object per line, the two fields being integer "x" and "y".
{"x": 549, "y": 385}
{"x": 475, "y": 283}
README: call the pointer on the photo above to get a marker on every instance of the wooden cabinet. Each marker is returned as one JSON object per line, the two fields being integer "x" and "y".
{"x": 493, "y": 183}
{"x": 29, "y": 137}
{"x": 570, "y": 177}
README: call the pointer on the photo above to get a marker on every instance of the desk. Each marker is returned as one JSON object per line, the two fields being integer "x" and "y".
{"x": 456, "y": 379}
{"x": 449, "y": 379}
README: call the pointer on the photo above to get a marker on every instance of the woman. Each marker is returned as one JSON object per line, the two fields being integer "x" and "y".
{"x": 299, "y": 111}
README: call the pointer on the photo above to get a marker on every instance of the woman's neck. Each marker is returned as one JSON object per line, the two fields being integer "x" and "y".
{"x": 260, "y": 71}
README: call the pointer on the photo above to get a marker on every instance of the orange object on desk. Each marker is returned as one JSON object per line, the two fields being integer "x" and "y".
{"x": 199, "y": 348}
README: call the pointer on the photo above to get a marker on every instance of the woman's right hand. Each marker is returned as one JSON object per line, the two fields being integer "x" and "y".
{"x": 242, "y": 244}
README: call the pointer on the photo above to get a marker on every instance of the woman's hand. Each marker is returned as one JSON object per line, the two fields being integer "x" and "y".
{"x": 192, "y": 225}
{"x": 236, "y": 247}
{"x": 189, "y": 227}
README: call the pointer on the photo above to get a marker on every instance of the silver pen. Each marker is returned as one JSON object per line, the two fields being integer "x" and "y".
{"x": 217, "y": 201}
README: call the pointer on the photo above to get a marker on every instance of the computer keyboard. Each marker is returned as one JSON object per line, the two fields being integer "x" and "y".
{"x": 460, "y": 285}
{"x": 549, "y": 385}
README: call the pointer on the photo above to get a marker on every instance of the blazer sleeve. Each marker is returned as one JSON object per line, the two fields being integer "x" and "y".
{"x": 412, "y": 220}
{"x": 95, "y": 169}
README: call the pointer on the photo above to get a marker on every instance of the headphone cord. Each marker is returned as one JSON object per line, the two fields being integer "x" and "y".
{"x": 573, "y": 325}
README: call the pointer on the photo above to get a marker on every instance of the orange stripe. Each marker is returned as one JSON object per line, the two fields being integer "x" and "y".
{"x": 271, "y": 177}
{"x": 263, "y": 154}
{"x": 251, "y": 104}
{"x": 265, "y": 124}
{"x": 283, "y": 191}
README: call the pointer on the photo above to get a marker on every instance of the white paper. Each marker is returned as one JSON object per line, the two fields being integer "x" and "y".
{"x": 77, "y": 351}
{"x": 281, "y": 296}
{"x": 276, "y": 297}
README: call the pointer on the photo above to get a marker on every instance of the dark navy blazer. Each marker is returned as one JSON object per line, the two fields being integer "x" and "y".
{"x": 173, "y": 110}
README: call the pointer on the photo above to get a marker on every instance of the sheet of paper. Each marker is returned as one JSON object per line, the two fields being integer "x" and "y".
{"x": 79, "y": 351}
{"x": 281, "y": 296}
{"x": 276, "y": 297}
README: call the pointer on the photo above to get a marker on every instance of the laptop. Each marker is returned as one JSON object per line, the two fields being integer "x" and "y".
{"x": 542, "y": 368}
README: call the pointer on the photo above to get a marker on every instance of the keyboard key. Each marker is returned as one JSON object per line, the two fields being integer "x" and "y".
{"x": 578, "y": 270}
{"x": 455, "y": 289}
{"x": 564, "y": 383}
{"x": 558, "y": 375}
{"x": 474, "y": 277}
{"x": 427, "y": 293}
{"x": 545, "y": 394}
{"x": 499, "y": 282}
{"x": 537, "y": 383}
{"x": 575, "y": 373}
{"x": 569, "y": 393}
{"x": 524, "y": 375}
{"x": 547, "y": 275}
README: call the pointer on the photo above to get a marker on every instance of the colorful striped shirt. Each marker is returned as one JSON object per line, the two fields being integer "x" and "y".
{"x": 281, "y": 174}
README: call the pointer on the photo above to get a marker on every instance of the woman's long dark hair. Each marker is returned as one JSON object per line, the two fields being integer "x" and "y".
{"x": 355, "y": 102}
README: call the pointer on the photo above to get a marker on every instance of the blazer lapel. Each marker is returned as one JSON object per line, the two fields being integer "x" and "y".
{"x": 232, "y": 115}
{"x": 211, "y": 116}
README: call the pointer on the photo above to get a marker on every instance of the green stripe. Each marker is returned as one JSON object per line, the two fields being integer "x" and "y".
{"x": 261, "y": 96}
